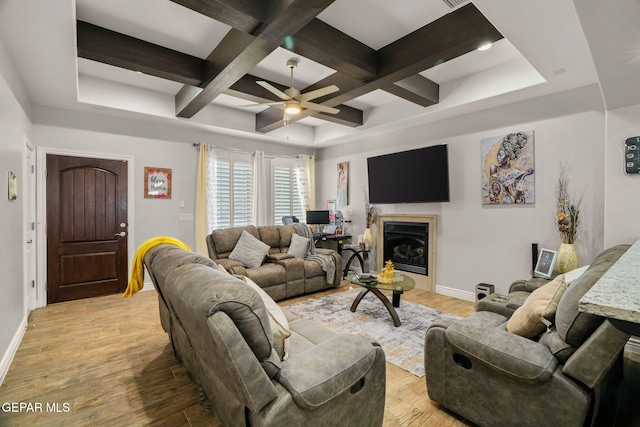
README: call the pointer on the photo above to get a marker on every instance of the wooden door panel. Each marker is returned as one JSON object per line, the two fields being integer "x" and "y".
{"x": 89, "y": 210}
{"x": 86, "y": 208}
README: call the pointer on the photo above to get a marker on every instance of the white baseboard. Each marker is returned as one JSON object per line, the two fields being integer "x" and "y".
{"x": 456, "y": 293}
{"x": 633, "y": 345}
{"x": 7, "y": 358}
{"x": 148, "y": 286}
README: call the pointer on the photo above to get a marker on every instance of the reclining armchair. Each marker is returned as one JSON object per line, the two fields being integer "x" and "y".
{"x": 478, "y": 369}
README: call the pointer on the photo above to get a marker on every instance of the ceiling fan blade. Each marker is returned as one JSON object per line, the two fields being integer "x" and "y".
{"x": 274, "y": 90}
{"x": 319, "y": 107}
{"x": 272, "y": 104}
{"x": 308, "y": 96}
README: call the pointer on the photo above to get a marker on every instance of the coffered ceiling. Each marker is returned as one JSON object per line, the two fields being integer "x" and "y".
{"x": 196, "y": 62}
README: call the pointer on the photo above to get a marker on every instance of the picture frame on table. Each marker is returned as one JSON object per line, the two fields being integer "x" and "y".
{"x": 546, "y": 263}
{"x": 157, "y": 183}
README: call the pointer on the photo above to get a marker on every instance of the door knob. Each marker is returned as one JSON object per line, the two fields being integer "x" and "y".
{"x": 121, "y": 234}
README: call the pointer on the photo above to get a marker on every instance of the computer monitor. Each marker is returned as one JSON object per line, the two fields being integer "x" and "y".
{"x": 318, "y": 217}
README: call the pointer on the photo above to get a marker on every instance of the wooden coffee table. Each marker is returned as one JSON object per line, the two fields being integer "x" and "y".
{"x": 398, "y": 288}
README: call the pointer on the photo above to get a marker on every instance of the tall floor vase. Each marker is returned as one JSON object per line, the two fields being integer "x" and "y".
{"x": 567, "y": 258}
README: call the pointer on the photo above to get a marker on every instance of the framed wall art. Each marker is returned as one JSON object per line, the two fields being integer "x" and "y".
{"x": 508, "y": 169}
{"x": 12, "y": 179}
{"x": 157, "y": 183}
{"x": 343, "y": 184}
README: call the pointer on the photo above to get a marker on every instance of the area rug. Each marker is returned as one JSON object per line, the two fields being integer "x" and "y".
{"x": 403, "y": 345}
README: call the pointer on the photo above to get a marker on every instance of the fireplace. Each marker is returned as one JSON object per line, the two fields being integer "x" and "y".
{"x": 406, "y": 245}
{"x": 413, "y": 236}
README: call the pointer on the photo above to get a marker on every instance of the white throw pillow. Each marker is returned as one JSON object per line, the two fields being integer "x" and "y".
{"x": 299, "y": 246}
{"x": 249, "y": 251}
{"x": 277, "y": 319}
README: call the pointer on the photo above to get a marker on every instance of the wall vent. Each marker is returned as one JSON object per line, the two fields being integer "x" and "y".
{"x": 454, "y": 3}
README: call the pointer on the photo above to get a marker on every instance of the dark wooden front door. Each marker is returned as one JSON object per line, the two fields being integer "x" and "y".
{"x": 86, "y": 227}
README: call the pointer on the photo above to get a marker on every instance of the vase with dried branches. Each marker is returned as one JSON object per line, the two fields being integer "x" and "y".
{"x": 567, "y": 221}
{"x": 370, "y": 218}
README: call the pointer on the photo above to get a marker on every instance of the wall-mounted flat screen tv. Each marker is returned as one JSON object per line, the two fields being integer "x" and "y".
{"x": 414, "y": 176}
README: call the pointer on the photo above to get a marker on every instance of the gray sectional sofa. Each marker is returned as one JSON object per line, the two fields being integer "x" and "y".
{"x": 220, "y": 330}
{"x": 281, "y": 274}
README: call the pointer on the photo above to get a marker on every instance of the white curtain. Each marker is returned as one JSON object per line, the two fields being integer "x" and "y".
{"x": 211, "y": 186}
{"x": 260, "y": 190}
{"x": 306, "y": 173}
{"x": 202, "y": 215}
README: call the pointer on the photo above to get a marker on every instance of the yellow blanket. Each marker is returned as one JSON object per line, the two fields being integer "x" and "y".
{"x": 137, "y": 269}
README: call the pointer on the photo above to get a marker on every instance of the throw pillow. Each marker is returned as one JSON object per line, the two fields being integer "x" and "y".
{"x": 299, "y": 246}
{"x": 277, "y": 319}
{"x": 538, "y": 309}
{"x": 224, "y": 270}
{"x": 249, "y": 251}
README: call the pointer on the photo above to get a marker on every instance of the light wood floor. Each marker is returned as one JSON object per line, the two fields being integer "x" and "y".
{"x": 107, "y": 362}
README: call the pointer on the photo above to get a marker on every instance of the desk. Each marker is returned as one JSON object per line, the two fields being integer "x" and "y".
{"x": 616, "y": 295}
{"x": 331, "y": 241}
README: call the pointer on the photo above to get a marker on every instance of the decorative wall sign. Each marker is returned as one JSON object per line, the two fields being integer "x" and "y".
{"x": 343, "y": 184}
{"x": 12, "y": 186}
{"x": 157, "y": 183}
{"x": 508, "y": 168}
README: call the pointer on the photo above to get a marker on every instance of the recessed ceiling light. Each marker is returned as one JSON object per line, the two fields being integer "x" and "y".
{"x": 485, "y": 46}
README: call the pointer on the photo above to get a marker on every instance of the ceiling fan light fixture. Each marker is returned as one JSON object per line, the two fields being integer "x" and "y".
{"x": 292, "y": 108}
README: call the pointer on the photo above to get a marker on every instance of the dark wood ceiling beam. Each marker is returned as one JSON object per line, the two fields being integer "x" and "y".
{"x": 347, "y": 55}
{"x": 453, "y": 35}
{"x": 449, "y": 37}
{"x": 97, "y": 44}
{"x": 243, "y": 15}
{"x": 237, "y": 55}
{"x": 326, "y": 45}
{"x": 417, "y": 89}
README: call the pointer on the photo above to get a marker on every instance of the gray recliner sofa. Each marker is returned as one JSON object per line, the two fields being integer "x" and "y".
{"x": 477, "y": 369}
{"x": 281, "y": 275}
{"x": 219, "y": 328}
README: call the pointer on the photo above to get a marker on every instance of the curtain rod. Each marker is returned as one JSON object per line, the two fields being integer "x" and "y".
{"x": 196, "y": 145}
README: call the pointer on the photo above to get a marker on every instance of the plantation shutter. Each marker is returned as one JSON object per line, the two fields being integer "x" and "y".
{"x": 287, "y": 198}
{"x": 233, "y": 205}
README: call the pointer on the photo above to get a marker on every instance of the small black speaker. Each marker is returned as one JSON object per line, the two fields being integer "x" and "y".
{"x": 534, "y": 257}
{"x": 483, "y": 290}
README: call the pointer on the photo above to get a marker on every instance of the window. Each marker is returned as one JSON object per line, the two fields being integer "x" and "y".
{"x": 287, "y": 197}
{"x": 232, "y": 190}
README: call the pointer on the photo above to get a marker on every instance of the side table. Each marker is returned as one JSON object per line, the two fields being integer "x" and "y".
{"x": 361, "y": 254}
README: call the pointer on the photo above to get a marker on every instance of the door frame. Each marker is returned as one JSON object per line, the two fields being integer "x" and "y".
{"x": 41, "y": 216}
{"x": 29, "y": 203}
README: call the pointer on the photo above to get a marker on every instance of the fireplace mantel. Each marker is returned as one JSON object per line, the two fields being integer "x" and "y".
{"x": 424, "y": 282}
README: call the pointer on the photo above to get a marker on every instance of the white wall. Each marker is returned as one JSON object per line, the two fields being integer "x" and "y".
{"x": 622, "y": 201}
{"x": 492, "y": 244}
{"x": 149, "y": 144}
{"x": 15, "y": 126}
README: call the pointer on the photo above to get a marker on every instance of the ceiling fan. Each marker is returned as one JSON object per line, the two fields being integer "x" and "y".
{"x": 294, "y": 101}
